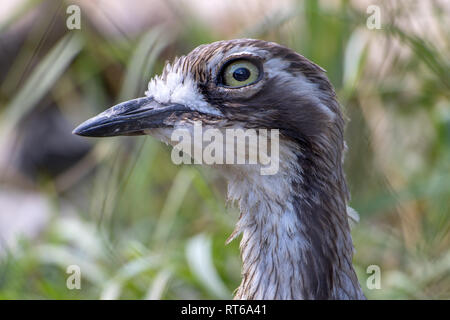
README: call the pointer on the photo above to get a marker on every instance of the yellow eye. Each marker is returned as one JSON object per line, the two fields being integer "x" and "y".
{"x": 240, "y": 73}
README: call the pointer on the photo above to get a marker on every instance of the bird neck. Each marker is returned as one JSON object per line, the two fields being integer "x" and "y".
{"x": 296, "y": 241}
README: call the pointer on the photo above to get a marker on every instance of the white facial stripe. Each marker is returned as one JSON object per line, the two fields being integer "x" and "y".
{"x": 179, "y": 88}
{"x": 275, "y": 68}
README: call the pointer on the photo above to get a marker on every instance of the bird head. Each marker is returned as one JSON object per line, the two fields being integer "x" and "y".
{"x": 253, "y": 84}
{"x": 242, "y": 83}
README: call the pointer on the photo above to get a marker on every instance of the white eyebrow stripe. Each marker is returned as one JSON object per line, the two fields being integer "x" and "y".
{"x": 235, "y": 51}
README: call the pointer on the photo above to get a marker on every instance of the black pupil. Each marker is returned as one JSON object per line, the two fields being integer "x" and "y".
{"x": 241, "y": 74}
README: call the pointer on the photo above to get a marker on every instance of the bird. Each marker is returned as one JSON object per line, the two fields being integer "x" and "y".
{"x": 296, "y": 242}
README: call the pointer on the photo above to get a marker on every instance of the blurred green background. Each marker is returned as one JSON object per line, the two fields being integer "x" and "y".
{"x": 140, "y": 227}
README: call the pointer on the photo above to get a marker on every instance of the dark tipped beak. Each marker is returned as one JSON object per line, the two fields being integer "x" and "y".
{"x": 129, "y": 118}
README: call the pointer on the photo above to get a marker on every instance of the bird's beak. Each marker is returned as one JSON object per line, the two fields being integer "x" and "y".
{"x": 131, "y": 117}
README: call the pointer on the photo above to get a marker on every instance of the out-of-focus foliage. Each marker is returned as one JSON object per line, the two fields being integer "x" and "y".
{"x": 140, "y": 227}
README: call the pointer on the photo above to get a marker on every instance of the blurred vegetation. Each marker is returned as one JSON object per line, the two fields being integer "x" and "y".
{"x": 141, "y": 227}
